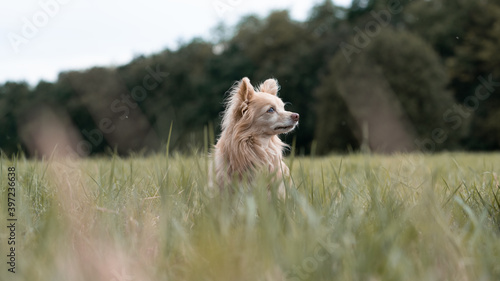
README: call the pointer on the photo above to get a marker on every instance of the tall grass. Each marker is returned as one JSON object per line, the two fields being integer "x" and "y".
{"x": 356, "y": 217}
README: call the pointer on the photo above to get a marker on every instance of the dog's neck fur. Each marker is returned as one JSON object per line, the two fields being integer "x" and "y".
{"x": 254, "y": 150}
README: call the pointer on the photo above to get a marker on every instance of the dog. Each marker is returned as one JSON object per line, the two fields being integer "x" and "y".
{"x": 249, "y": 142}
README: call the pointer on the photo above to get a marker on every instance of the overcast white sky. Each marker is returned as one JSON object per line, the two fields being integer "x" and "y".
{"x": 40, "y": 38}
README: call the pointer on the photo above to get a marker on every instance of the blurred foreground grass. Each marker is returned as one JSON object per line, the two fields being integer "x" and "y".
{"x": 357, "y": 217}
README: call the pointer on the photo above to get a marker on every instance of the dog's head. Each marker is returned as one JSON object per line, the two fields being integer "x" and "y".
{"x": 260, "y": 111}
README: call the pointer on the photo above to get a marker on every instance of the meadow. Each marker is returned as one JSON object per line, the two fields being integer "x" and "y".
{"x": 349, "y": 217}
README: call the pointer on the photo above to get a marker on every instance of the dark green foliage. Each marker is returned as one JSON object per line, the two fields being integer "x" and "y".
{"x": 336, "y": 129}
{"x": 466, "y": 34}
{"x": 417, "y": 78}
{"x": 416, "y": 82}
{"x": 11, "y": 96}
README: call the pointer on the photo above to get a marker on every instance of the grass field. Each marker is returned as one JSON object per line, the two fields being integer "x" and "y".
{"x": 355, "y": 217}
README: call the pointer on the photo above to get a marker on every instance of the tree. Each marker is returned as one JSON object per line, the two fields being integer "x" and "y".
{"x": 476, "y": 65}
{"x": 14, "y": 99}
{"x": 398, "y": 73}
{"x": 466, "y": 34}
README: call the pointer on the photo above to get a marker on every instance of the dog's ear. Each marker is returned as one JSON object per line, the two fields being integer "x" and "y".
{"x": 245, "y": 90}
{"x": 270, "y": 86}
{"x": 245, "y": 94}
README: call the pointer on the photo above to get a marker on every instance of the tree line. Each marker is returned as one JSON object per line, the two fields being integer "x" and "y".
{"x": 386, "y": 76}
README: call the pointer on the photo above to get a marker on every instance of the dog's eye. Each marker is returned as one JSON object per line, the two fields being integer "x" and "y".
{"x": 270, "y": 110}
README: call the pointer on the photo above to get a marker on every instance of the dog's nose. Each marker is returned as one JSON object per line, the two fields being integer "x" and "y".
{"x": 295, "y": 117}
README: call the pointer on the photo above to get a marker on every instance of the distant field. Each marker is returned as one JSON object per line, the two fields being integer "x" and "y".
{"x": 356, "y": 217}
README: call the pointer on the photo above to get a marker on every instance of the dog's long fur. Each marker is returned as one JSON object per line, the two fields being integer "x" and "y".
{"x": 249, "y": 140}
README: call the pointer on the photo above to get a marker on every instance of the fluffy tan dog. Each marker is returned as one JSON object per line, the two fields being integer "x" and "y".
{"x": 249, "y": 141}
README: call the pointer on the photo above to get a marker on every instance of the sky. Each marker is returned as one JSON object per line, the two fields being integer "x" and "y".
{"x": 40, "y": 38}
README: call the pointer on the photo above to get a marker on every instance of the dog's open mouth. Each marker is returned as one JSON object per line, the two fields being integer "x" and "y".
{"x": 284, "y": 128}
